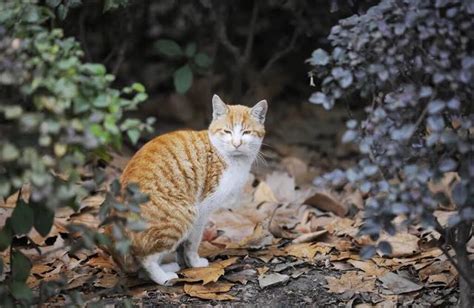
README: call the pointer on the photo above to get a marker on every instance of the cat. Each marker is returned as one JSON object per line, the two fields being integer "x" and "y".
{"x": 187, "y": 175}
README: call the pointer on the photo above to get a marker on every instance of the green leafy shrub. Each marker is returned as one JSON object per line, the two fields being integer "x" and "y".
{"x": 57, "y": 115}
{"x": 195, "y": 62}
{"x": 414, "y": 61}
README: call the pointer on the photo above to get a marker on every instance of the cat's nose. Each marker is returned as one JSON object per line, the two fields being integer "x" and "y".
{"x": 236, "y": 143}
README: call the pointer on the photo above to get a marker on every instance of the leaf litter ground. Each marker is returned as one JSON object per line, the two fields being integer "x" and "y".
{"x": 284, "y": 242}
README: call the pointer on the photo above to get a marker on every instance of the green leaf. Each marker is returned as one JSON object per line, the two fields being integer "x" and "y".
{"x": 22, "y": 217}
{"x": 95, "y": 69}
{"x": 6, "y": 235}
{"x": 190, "y": 50}
{"x": 183, "y": 79}
{"x": 21, "y": 266}
{"x": 134, "y": 135}
{"x": 13, "y": 112}
{"x": 168, "y": 48}
{"x": 202, "y": 60}
{"x": 44, "y": 219}
{"x": 62, "y": 11}
{"x": 9, "y": 152}
{"x": 20, "y": 291}
{"x": 138, "y": 87}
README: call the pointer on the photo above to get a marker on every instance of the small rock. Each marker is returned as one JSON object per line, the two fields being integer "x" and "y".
{"x": 272, "y": 279}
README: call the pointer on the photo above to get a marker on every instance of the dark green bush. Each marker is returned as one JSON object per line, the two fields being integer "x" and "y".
{"x": 57, "y": 116}
{"x": 413, "y": 62}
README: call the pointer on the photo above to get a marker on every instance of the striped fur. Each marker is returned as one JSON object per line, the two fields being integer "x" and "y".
{"x": 188, "y": 174}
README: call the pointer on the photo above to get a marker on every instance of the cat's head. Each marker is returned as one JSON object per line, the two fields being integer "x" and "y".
{"x": 237, "y": 131}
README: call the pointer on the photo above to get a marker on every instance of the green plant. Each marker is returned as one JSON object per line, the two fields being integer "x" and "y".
{"x": 194, "y": 62}
{"x": 57, "y": 115}
{"x": 414, "y": 61}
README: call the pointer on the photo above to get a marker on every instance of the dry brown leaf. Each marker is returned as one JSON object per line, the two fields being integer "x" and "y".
{"x": 102, "y": 262}
{"x": 307, "y": 250}
{"x": 209, "y": 291}
{"x": 297, "y": 169}
{"x": 262, "y": 270}
{"x": 257, "y": 240}
{"x": 264, "y": 193}
{"x": 403, "y": 244}
{"x": 350, "y": 281}
{"x": 309, "y": 237}
{"x": 207, "y": 274}
{"x": 327, "y": 201}
{"x": 369, "y": 267}
{"x": 106, "y": 281}
{"x": 242, "y": 277}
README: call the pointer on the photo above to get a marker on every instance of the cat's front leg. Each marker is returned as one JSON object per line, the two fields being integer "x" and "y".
{"x": 188, "y": 250}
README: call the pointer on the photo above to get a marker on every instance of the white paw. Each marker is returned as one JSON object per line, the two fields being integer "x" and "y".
{"x": 169, "y": 277}
{"x": 199, "y": 262}
{"x": 172, "y": 267}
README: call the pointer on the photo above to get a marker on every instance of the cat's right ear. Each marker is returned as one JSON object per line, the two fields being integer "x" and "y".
{"x": 219, "y": 108}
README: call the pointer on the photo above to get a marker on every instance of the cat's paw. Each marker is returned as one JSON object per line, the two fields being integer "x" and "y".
{"x": 199, "y": 262}
{"x": 169, "y": 278}
{"x": 172, "y": 267}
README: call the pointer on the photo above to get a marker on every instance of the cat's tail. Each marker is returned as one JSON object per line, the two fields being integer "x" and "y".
{"x": 128, "y": 263}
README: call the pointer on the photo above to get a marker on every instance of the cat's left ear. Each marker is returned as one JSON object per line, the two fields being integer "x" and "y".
{"x": 219, "y": 108}
{"x": 259, "y": 111}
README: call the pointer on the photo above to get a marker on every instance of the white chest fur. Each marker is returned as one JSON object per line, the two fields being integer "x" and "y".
{"x": 230, "y": 186}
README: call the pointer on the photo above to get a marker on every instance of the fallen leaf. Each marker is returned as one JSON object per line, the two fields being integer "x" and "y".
{"x": 326, "y": 201}
{"x": 106, "y": 281}
{"x": 297, "y": 169}
{"x": 209, "y": 291}
{"x": 309, "y": 237}
{"x": 350, "y": 281}
{"x": 207, "y": 274}
{"x": 403, "y": 244}
{"x": 262, "y": 270}
{"x": 242, "y": 276}
{"x": 264, "y": 193}
{"x": 102, "y": 262}
{"x": 396, "y": 284}
{"x": 284, "y": 266}
{"x": 369, "y": 267}
{"x": 307, "y": 250}
{"x": 272, "y": 279}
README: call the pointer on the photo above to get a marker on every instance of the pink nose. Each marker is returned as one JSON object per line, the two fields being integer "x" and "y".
{"x": 236, "y": 143}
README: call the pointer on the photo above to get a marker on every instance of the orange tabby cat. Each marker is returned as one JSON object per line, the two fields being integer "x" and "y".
{"x": 187, "y": 175}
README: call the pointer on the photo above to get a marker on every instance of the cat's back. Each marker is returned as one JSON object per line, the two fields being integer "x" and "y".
{"x": 173, "y": 164}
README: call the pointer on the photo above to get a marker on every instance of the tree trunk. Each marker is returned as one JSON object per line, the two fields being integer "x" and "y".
{"x": 465, "y": 265}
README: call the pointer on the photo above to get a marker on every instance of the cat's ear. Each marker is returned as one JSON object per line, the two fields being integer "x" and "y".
{"x": 219, "y": 108}
{"x": 259, "y": 111}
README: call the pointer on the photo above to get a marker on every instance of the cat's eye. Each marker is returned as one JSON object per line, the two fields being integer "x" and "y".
{"x": 227, "y": 131}
{"x": 246, "y": 132}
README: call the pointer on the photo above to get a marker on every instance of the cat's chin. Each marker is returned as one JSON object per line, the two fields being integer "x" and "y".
{"x": 237, "y": 154}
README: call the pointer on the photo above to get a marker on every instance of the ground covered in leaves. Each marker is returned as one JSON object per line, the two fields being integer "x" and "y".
{"x": 287, "y": 241}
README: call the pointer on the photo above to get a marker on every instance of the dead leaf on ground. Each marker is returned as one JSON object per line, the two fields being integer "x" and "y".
{"x": 272, "y": 279}
{"x": 307, "y": 250}
{"x": 104, "y": 262}
{"x": 327, "y": 201}
{"x": 207, "y": 274}
{"x": 350, "y": 281}
{"x": 242, "y": 276}
{"x": 403, "y": 244}
{"x": 309, "y": 237}
{"x": 396, "y": 284}
{"x": 106, "y": 281}
{"x": 369, "y": 267}
{"x": 209, "y": 291}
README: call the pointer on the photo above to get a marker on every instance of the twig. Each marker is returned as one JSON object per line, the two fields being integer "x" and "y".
{"x": 251, "y": 34}
{"x": 447, "y": 238}
{"x": 283, "y": 52}
{"x": 222, "y": 34}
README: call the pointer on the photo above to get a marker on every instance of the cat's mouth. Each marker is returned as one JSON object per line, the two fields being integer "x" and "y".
{"x": 237, "y": 153}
